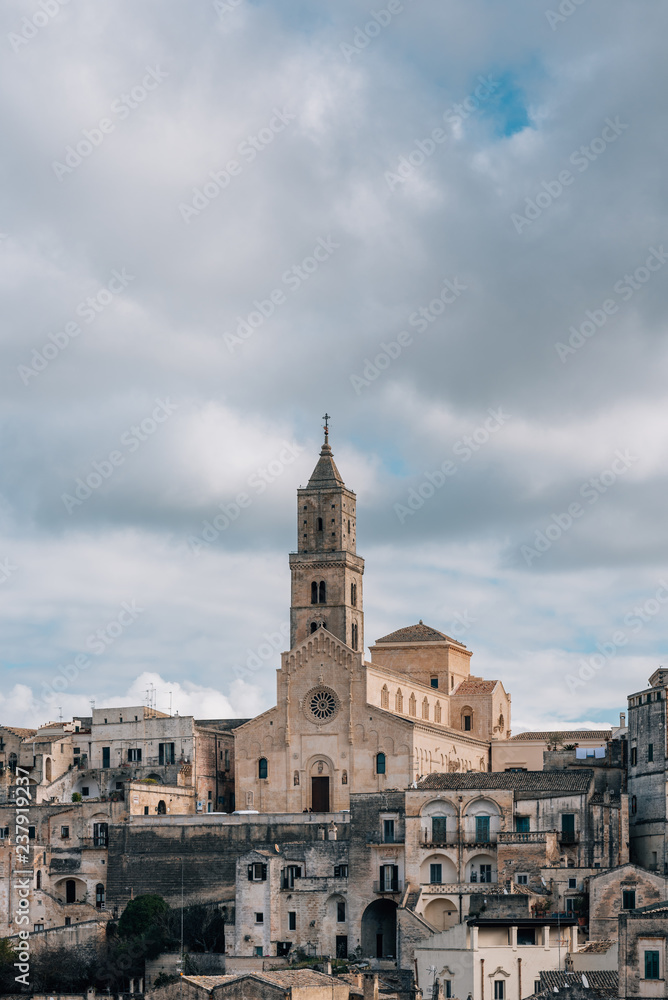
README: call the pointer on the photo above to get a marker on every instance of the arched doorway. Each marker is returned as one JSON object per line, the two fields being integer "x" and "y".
{"x": 162, "y": 808}
{"x": 70, "y": 891}
{"x": 379, "y": 929}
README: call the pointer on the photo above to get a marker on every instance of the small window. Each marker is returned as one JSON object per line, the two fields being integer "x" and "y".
{"x": 434, "y": 682}
{"x": 522, "y": 824}
{"x": 262, "y": 767}
{"x": 388, "y": 831}
{"x": 526, "y": 935}
{"x": 536, "y": 986}
{"x": 259, "y": 918}
{"x": 322, "y": 592}
{"x": 319, "y": 524}
{"x": 75, "y": 750}
{"x": 314, "y": 593}
{"x": 482, "y": 829}
{"x": 145, "y": 810}
{"x": 39, "y": 927}
{"x": 68, "y": 920}
{"x": 499, "y": 989}
{"x": 447, "y": 988}
{"x": 353, "y": 594}
{"x": 522, "y": 879}
{"x": 634, "y": 756}
{"x": 436, "y": 874}
{"x": 340, "y": 871}
{"x": 438, "y": 829}
{"x": 292, "y": 920}
{"x": 64, "y": 832}
{"x": 134, "y": 755}
{"x": 354, "y": 636}
{"x": 572, "y": 883}
{"x": 634, "y": 805}
{"x": 380, "y": 763}
{"x": 629, "y": 899}
{"x": 467, "y": 729}
{"x": 257, "y": 872}
{"x": 340, "y": 911}
{"x": 650, "y": 752}
{"x": 31, "y": 832}
{"x": 651, "y": 965}
{"x": 85, "y": 790}
{"x": 259, "y": 951}
{"x": 38, "y": 880}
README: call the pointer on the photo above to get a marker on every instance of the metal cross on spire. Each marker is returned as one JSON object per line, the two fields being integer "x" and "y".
{"x": 326, "y": 418}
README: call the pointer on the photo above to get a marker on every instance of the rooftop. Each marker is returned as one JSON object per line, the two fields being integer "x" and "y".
{"x": 533, "y": 781}
{"x": 475, "y": 685}
{"x": 599, "y": 983}
{"x": 284, "y": 978}
{"x": 566, "y": 735}
{"x": 418, "y": 633}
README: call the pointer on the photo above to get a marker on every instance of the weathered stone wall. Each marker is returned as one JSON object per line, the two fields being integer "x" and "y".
{"x": 605, "y": 896}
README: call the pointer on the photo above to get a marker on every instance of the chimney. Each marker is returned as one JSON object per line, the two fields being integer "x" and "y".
{"x": 370, "y": 986}
{"x": 622, "y": 720}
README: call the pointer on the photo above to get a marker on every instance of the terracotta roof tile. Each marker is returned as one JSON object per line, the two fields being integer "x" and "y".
{"x": 418, "y": 633}
{"x": 475, "y": 685}
{"x": 532, "y": 781}
{"x": 22, "y": 733}
{"x": 565, "y": 735}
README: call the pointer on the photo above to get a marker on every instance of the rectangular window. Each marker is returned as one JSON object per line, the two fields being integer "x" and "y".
{"x": 31, "y": 832}
{"x": 438, "y": 829}
{"x": 145, "y": 810}
{"x": 651, "y": 965}
{"x": 568, "y": 828}
{"x": 39, "y": 927}
{"x": 100, "y": 835}
{"x": 166, "y": 753}
{"x": 389, "y": 878}
{"x": 340, "y": 871}
{"x": 68, "y": 920}
{"x": 629, "y": 899}
{"x": 259, "y": 951}
{"x": 259, "y": 918}
{"x": 572, "y": 883}
{"x": 85, "y": 790}
{"x": 436, "y": 874}
{"x": 447, "y": 987}
{"x": 434, "y": 682}
{"x": 634, "y": 756}
{"x": 291, "y": 873}
{"x": 467, "y": 723}
{"x": 134, "y": 755}
{"x": 522, "y": 824}
{"x": 292, "y": 920}
{"x": 485, "y": 873}
{"x": 526, "y": 935}
{"x": 106, "y": 756}
{"x": 499, "y": 989}
{"x": 569, "y": 907}
{"x": 64, "y": 832}
{"x": 650, "y": 752}
{"x": 75, "y": 750}
{"x": 257, "y": 872}
{"x": 536, "y": 985}
{"x": 522, "y": 878}
{"x": 482, "y": 829}
{"x": 340, "y": 911}
{"x": 388, "y": 831}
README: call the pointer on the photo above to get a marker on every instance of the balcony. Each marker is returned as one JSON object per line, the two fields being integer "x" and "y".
{"x": 377, "y": 838}
{"x": 534, "y": 837}
{"x": 454, "y": 888}
{"x": 388, "y": 886}
{"x": 568, "y": 837}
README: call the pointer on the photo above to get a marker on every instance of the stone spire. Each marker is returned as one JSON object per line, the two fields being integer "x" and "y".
{"x": 325, "y": 473}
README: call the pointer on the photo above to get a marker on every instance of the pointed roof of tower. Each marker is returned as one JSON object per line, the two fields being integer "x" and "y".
{"x": 325, "y": 473}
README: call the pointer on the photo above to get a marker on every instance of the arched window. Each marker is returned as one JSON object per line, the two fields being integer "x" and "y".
{"x": 412, "y": 705}
{"x": 162, "y": 808}
{"x": 99, "y": 896}
{"x": 38, "y": 882}
{"x": 380, "y": 763}
{"x": 354, "y": 635}
{"x": 344, "y": 777}
{"x": 322, "y": 592}
{"x": 399, "y": 701}
{"x": 348, "y": 525}
{"x": 319, "y": 524}
{"x": 437, "y": 712}
{"x": 262, "y": 767}
{"x": 425, "y": 708}
{"x": 384, "y": 697}
{"x": 314, "y": 593}
{"x": 314, "y": 626}
{"x": 353, "y": 594}
{"x": 295, "y": 779}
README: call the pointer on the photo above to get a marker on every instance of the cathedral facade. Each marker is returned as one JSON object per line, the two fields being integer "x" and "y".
{"x": 342, "y": 724}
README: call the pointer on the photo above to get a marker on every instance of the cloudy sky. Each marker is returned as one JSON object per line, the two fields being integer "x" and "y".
{"x": 442, "y": 223}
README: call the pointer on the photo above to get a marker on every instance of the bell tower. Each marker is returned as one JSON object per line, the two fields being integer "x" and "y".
{"x": 326, "y": 570}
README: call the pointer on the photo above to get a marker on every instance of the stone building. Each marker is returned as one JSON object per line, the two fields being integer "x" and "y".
{"x": 648, "y": 777}
{"x": 626, "y": 887}
{"x": 342, "y": 724}
{"x": 643, "y": 951}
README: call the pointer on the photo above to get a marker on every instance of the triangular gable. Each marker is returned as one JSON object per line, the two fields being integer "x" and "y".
{"x": 319, "y": 645}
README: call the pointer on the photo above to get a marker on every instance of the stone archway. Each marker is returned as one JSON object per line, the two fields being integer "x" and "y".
{"x": 379, "y": 929}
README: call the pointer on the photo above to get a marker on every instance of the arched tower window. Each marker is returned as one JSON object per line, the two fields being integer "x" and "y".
{"x": 322, "y": 592}
{"x": 348, "y": 525}
{"x": 314, "y": 626}
{"x": 380, "y": 763}
{"x": 353, "y": 594}
{"x": 399, "y": 701}
{"x": 314, "y": 593}
{"x": 384, "y": 697}
{"x": 467, "y": 719}
{"x": 262, "y": 767}
{"x": 39, "y": 880}
{"x": 425, "y": 708}
{"x": 354, "y": 635}
{"x": 319, "y": 524}
{"x": 412, "y": 704}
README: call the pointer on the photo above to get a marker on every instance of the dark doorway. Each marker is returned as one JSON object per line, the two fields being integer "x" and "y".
{"x": 379, "y": 929}
{"x": 162, "y": 808}
{"x": 341, "y": 946}
{"x": 320, "y": 795}
{"x": 70, "y": 891}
